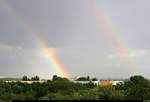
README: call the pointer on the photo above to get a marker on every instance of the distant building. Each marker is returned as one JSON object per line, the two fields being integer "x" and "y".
{"x": 82, "y": 82}
{"x": 79, "y": 80}
{"x": 96, "y": 82}
{"x": 105, "y": 82}
{"x": 117, "y": 82}
{"x": 28, "y": 82}
{"x": 110, "y": 82}
{"x": 102, "y": 82}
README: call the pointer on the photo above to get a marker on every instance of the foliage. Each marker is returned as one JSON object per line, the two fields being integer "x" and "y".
{"x": 84, "y": 78}
{"x": 110, "y": 93}
{"x": 94, "y": 79}
{"x": 24, "y": 78}
{"x": 36, "y": 78}
{"x": 136, "y": 88}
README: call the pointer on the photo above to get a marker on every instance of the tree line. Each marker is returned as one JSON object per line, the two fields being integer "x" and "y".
{"x": 35, "y": 78}
{"x": 136, "y": 88}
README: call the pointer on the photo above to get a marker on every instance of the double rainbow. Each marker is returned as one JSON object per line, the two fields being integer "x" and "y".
{"x": 104, "y": 19}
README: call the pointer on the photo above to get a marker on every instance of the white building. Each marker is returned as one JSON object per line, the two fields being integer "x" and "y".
{"x": 117, "y": 82}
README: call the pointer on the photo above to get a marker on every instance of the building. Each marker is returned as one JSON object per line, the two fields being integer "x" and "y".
{"x": 75, "y": 80}
{"x": 102, "y": 82}
{"x": 105, "y": 82}
{"x": 117, "y": 82}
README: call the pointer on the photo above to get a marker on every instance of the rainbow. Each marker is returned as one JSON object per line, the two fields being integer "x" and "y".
{"x": 49, "y": 53}
{"x": 113, "y": 34}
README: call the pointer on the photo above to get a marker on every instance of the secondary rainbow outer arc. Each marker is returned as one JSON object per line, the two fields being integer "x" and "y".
{"x": 113, "y": 34}
{"x": 50, "y": 54}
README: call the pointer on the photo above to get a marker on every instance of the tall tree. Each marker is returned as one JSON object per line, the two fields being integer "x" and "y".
{"x": 24, "y": 78}
{"x": 137, "y": 88}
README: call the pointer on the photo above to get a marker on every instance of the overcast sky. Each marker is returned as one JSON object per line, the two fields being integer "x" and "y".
{"x": 74, "y": 29}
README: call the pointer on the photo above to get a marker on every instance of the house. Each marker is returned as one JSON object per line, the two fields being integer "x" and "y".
{"x": 105, "y": 82}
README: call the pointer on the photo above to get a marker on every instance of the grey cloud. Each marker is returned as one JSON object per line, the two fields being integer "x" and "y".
{"x": 72, "y": 27}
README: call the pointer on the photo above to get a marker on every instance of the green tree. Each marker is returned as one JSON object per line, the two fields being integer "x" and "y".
{"x": 137, "y": 88}
{"x": 94, "y": 79}
{"x": 54, "y": 77}
{"x": 83, "y": 79}
{"x": 24, "y": 78}
{"x": 110, "y": 93}
{"x": 88, "y": 78}
{"x": 89, "y": 94}
{"x": 35, "y": 78}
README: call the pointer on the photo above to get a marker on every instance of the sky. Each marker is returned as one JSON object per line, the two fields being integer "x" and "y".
{"x": 80, "y": 31}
